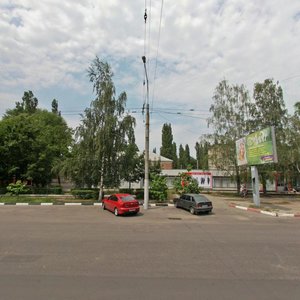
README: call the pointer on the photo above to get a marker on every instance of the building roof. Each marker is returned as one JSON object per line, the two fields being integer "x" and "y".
{"x": 154, "y": 156}
{"x": 157, "y": 157}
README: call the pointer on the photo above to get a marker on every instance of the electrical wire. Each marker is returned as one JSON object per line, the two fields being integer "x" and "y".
{"x": 145, "y": 47}
{"x": 156, "y": 59}
{"x": 149, "y": 37}
{"x": 201, "y": 115}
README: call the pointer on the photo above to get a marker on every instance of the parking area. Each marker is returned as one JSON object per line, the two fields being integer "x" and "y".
{"x": 83, "y": 252}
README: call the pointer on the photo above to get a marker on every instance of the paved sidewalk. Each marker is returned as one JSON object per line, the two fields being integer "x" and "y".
{"x": 275, "y": 206}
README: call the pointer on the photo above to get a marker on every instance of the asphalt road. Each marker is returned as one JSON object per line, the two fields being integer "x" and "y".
{"x": 82, "y": 252}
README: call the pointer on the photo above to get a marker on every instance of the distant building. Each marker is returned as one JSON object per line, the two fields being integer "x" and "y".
{"x": 165, "y": 163}
{"x": 207, "y": 179}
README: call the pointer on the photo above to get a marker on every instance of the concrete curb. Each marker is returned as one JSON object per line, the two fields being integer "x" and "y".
{"x": 265, "y": 212}
{"x": 50, "y": 204}
{"x": 160, "y": 204}
{"x": 73, "y": 204}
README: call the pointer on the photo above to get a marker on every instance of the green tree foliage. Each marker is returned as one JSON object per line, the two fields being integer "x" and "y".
{"x": 187, "y": 155}
{"x": 293, "y": 142}
{"x": 167, "y": 141}
{"x": 28, "y": 105}
{"x": 54, "y": 106}
{"x": 185, "y": 160}
{"x": 78, "y": 166}
{"x": 132, "y": 164}
{"x": 186, "y": 184}
{"x": 105, "y": 133}
{"x": 269, "y": 110}
{"x": 235, "y": 116}
{"x": 168, "y": 148}
{"x": 202, "y": 154}
{"x": 158, "y": 187}
{"x": 154, "y": 168}
{"x": 30, "y": 143}
{"x": 230, "y": 121}
{"x": 174, "y": 155}
{"x": 17, "y": 188}
{"x": 182, "y": 163}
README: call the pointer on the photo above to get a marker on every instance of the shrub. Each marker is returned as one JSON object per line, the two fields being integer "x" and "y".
{"x": 186, "y": 184}
{"x": 57, "y": 190}
{"x": 126, "y": 191}
{"x": 17, "y": 188}
{"x": 158, "y": 188}
{"x": 85, "y": 193}
{"x": 139, "y": 194}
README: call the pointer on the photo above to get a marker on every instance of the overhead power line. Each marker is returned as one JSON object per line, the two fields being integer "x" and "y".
{"x": 156, "y": 58}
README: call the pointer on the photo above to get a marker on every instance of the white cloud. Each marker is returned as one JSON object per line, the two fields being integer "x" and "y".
{"x": 46, "y": 46}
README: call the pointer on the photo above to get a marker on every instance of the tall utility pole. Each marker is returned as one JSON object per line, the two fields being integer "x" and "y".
{"x": 147, "y": 126}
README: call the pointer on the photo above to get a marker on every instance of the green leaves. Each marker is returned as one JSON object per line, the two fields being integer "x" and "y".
{"x": 166, "y": 149}
{"x": 158, "y": 187}
{"x": 105, "y": 150}
{"x": 17, "y": 188}
{"x": 235, "y": 115}
{"x": 186, "y": 184}
{"x": 29, "y": 143}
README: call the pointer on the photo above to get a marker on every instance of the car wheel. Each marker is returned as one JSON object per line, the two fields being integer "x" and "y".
{"x": 192, "y": 210}
{"x": 103, "y": 206}
{"x": 116, "y": 212}
{"x": 176, "y": 204}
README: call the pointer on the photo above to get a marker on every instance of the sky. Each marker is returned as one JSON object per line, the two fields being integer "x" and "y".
{"x": 46, "y": 46}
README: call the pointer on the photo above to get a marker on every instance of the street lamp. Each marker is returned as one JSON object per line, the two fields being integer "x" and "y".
{"x": 147, "y": 125}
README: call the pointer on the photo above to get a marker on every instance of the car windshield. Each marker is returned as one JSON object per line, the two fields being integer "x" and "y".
{"x": 199, "y": 198}
{"x": 127, "y": 198}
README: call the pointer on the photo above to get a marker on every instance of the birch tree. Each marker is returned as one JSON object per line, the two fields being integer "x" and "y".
{"x": 105, "y": 128}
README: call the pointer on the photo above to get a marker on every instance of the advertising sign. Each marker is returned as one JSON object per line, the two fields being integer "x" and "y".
{"x": 204, "y": 179}
{"x": 241, "y": 152}
{"x": 257, "y": 148}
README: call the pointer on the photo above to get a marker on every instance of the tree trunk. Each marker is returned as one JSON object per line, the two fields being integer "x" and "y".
{"x": 101, "y": 194}
{"x": 238, "y": 179}
{"x": 100, "y": 197}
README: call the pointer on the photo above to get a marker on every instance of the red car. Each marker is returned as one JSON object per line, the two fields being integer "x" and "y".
{"x": 121, "y": 204}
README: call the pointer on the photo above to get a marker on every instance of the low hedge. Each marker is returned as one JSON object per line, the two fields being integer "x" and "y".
{"x": 126, "y": 191}
{"x": 57, "y": 190}
{"x": 85, "y": 193}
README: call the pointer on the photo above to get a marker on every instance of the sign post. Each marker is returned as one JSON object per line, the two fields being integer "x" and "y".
{"x": 255, "y": 185}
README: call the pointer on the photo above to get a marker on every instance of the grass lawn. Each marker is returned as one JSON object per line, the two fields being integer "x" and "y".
{"x": 37, "y": 200}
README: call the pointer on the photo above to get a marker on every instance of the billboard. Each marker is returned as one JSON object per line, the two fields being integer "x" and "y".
{"x": 204, "y": 179}
{"x": 257, "y": 148}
